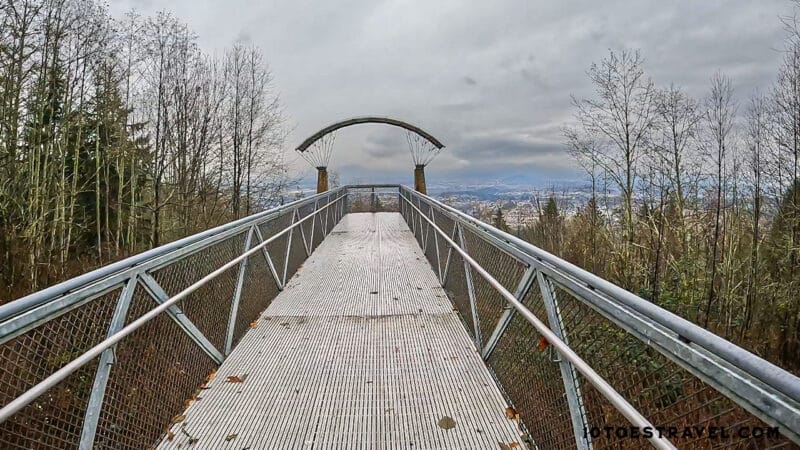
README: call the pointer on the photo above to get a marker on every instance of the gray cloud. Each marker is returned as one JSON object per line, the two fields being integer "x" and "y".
{"x": 492, "y": 80}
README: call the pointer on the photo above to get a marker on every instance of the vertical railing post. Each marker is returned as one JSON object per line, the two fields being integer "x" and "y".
{"x": 476, "y": 322}
{"x": 314, "y": 219}
{"x": 571, "y": 386}
{"x": 327, "y": 211}
{"x": 436, "y": 243}
{"x": 237, "y": 295}
{"x": 523, "y": 287}
{"x": 372, "y": 205}
{"x": 268, "y": 259}
{"x": 107, "y": 359}
{"x": 289, "y": 248}
{"x": 449, "y": 253}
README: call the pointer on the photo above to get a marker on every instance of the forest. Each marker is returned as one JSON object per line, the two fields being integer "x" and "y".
{"x": 118, "y": 135}
{"x": 695, "y": 202}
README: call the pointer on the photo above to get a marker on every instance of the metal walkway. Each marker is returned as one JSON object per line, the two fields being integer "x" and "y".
{"x": 362, "y": 349}
{"x": 329, "y": 327}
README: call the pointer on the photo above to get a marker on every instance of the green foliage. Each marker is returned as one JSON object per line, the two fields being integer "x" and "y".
{"x": 499, "y": 222}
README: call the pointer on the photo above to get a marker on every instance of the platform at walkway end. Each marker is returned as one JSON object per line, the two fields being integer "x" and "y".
{"x": 361, "y": 350}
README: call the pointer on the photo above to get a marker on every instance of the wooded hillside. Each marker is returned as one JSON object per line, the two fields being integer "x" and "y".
{"x": 120, "y": 135}
{"x": 704, "y": 213}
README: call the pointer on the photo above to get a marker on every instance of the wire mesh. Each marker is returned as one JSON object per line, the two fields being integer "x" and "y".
{"x": 529, "y": 374}
{"x": 527, "y": 367}
{"x": 502, "y": 267}
{"x": 258, "y": 291}
{"x": 372, "y": 200}
{"x": 668, "y": 395}
{"x": 158, "y": 369}
{"x": 55, "y": 419}
{"x": 209, "y": 307}
{"x": 277, "y": 248}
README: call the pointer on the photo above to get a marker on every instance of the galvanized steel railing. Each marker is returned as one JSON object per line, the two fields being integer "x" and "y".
{"x": 107, "y": 359}
{"x": 607, "y": 359}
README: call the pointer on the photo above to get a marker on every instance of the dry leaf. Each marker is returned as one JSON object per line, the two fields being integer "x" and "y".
{"x": 514, "y": 445}
{"x": 178, "y": 418}
{"x": 170, "y": 435}
{"x": 236, "y": 379}
{"x": 253, "y": 324}
{"x": 231, "y": 437}
{"x": 511, "y": 412}
{"x": 211, "y": 375}
{"x": 543, "y": 344}
{"x": 503, "y": 446}
{"x": 447, "y": 423}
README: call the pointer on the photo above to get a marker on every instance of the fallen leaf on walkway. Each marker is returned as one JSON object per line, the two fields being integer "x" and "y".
{"x": 253, "y": 324}
{"x": 236, "y": 379}
{"x": 511, "y": 413}
{"x": 170, "y": 435}
{"x": 543, "y": 344}
{"x": 503, "y": 446}
{"x": 230, "y": 437}
{"x": 447, "y": 423}
{"x": 211, "y": 375}
{"x": 178, "y": 418}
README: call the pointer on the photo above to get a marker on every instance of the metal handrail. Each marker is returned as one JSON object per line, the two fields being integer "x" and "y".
{"x": 762, "y": 388}
{"x": 593, "y": 377}
{"x": 43, "y": 296}
{"x": 40, "y": 388}
{"x": 767, "y": 372}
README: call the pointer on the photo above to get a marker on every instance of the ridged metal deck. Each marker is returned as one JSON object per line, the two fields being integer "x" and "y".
{"x": 362, "y": 349}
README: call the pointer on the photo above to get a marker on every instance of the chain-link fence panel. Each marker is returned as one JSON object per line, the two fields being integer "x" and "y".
{"x": 501, "y": 266}
{"x": 527, "y": 369}
{"x": 661, "y": 390}
{"x": 157, "y": 370}
{"x": 208, "y": 307}
{"x": 55, "y": 419}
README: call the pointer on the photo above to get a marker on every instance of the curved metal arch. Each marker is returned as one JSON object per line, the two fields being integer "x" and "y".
{"x": 359, "y": 120}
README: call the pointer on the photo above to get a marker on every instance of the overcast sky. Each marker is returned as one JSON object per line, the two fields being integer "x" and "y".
{"x": 491, "y": 79}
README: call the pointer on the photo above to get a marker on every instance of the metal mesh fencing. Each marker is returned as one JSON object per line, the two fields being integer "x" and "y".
{"x": 208, "y": 307}
{"x": 500, "y": 265}
{"x": 528, "y": 372}
{"x": 368, "y": 199}
{"x": 54, "y": 420}
{"x": 539, "y": 383}
{"x": 158, "y": 370}
{"x": 660, "y": 389}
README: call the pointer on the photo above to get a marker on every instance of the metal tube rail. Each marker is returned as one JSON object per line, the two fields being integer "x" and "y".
{"x": 765, "y": 371}
{"x": 593, "y": 377}
{"x": 39, "y": 298}
{"x": 31, "y": 394}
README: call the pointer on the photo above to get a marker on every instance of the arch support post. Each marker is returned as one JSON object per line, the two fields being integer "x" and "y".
{"x": 322, "y": 179}
{"x": 419, "y": 179}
